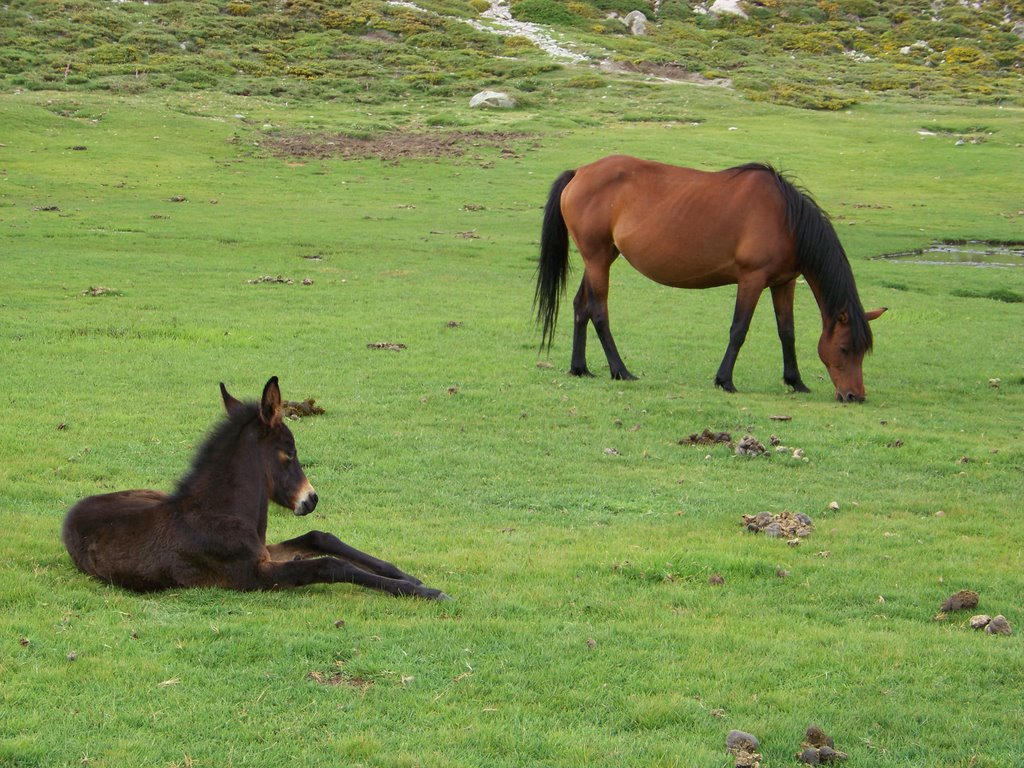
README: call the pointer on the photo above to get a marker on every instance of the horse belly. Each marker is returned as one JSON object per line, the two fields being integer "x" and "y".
{"x": 679, "y": 262}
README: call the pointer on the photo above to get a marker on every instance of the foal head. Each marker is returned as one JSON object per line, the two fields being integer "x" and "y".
{"x": 286, "y": 482}
{"x": 842, "y": 351}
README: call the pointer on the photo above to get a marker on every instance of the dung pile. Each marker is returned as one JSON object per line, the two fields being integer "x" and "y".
{"x": 792, "y": 526}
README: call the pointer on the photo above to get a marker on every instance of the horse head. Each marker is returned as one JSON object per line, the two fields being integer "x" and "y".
{"x": 286, "y": 482}
{"x": 843, "y": 355}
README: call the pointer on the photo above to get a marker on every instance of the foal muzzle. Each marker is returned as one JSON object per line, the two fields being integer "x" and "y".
{"x": 307, "y": 503}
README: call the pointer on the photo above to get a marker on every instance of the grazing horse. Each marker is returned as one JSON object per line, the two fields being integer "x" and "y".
{"x": 211, "y": 532}
{"x": 693, "y": 229}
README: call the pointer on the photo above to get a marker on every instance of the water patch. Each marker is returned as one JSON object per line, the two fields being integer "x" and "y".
{"x": 964, "y": 253}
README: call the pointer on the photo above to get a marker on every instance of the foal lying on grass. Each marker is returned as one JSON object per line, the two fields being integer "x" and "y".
{"x": 211, "y": 532}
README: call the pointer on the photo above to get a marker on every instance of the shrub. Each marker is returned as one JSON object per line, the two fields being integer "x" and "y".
{"x": 544, "y": 12}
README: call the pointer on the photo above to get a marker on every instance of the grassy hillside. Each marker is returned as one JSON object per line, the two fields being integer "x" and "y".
{"x": 824, "y": 55}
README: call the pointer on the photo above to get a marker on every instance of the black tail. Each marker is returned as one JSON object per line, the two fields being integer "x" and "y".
{"x": 822, "y": 256}
{"x": 553, "y": 267}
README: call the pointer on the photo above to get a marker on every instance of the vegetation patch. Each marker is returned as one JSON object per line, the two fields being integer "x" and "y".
{"x": 389, "y": 147}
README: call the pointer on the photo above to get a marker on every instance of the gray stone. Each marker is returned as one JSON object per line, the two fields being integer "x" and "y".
{"x": 493, "y": 100}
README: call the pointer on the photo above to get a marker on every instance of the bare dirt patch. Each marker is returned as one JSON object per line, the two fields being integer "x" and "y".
{"x": 389, "y": 147}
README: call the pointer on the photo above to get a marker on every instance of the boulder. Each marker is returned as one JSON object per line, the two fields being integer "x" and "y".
{"x": 492, "y": 99}
{"x": 635, "y": 22}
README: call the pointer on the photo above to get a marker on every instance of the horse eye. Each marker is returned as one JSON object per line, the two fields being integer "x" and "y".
{"x": 286, "y": 456}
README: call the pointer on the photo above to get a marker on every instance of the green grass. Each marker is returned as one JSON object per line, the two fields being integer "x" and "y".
{"x": 583, "y": 629}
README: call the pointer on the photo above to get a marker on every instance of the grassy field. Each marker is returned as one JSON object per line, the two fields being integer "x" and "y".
{"x": 574, "y": 528}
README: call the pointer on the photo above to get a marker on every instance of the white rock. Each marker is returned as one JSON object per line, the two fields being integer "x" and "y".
{"x": 636, "y": 22}
{"x": 492, "y": 99}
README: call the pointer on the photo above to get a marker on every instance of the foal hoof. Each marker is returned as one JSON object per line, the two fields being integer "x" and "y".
{"x": 432, "y": 594}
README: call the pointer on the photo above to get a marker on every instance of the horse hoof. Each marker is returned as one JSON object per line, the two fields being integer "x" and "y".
{"x": 726, "y": 385}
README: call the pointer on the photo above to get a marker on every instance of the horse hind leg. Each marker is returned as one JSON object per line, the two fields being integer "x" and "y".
{"x": 581, "y": 317}
{"x": 782, "y": 300}
{"x": 596, "y": 281}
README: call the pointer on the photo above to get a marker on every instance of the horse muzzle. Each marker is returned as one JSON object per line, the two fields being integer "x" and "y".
{"x": 849, "y": 397}
{"x": 307, "y": 503}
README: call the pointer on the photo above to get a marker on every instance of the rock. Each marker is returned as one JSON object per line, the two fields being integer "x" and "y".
{"x": 999, "y": 626}
{"x": 737, "y": 740}
{"x": 965, "y": 598}
{"x": 980, "y": 621}
{"x": 492, "y": 99}
{"x": 809, "y": 756}
{"x": 815, "y": 737}
{"x": 743, "y": 747}
{"x": 728, "y": 7}
{"x": 635, "y": 22}
{"x": 749, "y": 446}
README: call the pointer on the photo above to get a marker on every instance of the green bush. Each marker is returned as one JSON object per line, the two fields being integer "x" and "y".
{"x": 544, "y": 12}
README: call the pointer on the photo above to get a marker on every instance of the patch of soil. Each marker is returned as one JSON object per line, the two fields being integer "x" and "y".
{"x": 669, "y": 72}
{"x": 785, "y": 524}
{"x": 99, "y": 290}
{"x": 340, "y": 678}
{"x": 386, "y": 345}
{"x": 965, "y": 598}
{"x": 297, "y": 410}
{"x": 389, "y": 147}
{"x": 707, "y": 437}
{"x": 818, "y": 747}
{"x": 743, "y": 747}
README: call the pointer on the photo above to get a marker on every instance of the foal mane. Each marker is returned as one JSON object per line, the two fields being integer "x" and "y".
{"x": 217, "y": 444}
{"x": 821, "y": 255}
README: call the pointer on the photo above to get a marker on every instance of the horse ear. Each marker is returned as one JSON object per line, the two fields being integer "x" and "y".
{"x": 874, "y": 314}
{"x": 270, "y": 406}
{"x": 230, "y": 403}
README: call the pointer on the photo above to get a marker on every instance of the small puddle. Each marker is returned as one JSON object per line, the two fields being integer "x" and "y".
{"x": 964, "y": 253}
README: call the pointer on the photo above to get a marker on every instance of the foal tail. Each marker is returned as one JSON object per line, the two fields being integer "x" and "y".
{"x": 553, "y": 267}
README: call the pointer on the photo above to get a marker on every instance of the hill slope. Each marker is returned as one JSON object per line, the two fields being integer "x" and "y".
{"x": 824, "y": 55}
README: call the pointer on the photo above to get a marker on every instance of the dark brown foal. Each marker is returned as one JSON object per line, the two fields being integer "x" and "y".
{"x": 211, "y": 532}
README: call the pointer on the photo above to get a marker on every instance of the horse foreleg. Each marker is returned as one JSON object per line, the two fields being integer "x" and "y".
{"x": 581, "y": 316}
{"x": 321, "y": 544}
{"x": 746, "y": 301}
{"x": 782, "y": 300}
{"x": 275, "y": 574}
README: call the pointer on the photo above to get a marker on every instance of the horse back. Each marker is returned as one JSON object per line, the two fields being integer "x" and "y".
{"x": 680, "y": 226}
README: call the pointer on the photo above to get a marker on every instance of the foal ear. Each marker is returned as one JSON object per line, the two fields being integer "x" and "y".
{"x": 230, "y": 404}
{"x": 270, "y": 406}
{"x": 874, "y": 314}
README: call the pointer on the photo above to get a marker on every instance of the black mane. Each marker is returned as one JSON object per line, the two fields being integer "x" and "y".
{"x": 821, "y": 256}
{"x": 217, "y": 444}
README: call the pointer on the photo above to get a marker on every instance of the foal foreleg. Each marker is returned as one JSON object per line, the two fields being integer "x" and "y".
{"x": 321, "y": 544}
{"x": 782, "y": 300}
{"x": 274, "y": 574}
{"x": 746, "y": 301}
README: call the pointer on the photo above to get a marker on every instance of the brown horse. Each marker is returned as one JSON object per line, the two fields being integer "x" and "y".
{"x": 211, "y": 532}
{"x": 693, "y": 229}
